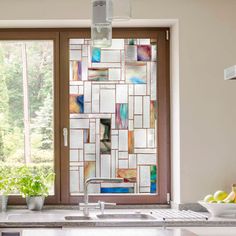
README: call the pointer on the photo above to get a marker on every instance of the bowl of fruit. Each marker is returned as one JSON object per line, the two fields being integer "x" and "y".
{"x": 220, "y": 203}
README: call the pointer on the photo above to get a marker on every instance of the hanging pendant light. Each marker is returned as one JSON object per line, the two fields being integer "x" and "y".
{"x": 101, "y": 29}
{"x": 103, "y": 13}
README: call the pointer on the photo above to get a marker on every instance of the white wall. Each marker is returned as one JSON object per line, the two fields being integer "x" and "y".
{"x": 207, "y": 34}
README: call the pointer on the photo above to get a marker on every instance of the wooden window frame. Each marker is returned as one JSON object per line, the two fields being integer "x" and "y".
{"x": 61, "y": 38}
{"x": 163, "y": 100}
{"x": 30, "y": 34}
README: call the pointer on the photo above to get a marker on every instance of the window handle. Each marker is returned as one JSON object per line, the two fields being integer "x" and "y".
{"x": 65, "y": 136}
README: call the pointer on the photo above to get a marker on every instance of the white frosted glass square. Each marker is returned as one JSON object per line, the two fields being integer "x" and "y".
{"x": 140, "y": 138}
{"x": 140, "y": 89}
{"x": 113, "y": 164}
{"x": 79, "y": 123}
{"x": 90, "y": 157}
{"x": 105, "y": 166}
{"x": 123, "y": 155}
{"x": 94, "y": 188}
{"x": 138, "y": 105}
{"x": 87, "y": 107}
{"x": 76, "y": 138}
{"x": 114, "y": 74}
{"x": 144, "y": 176}
{"x": 147, "y": 159}
{"x": 153, "y": 81}
{"x": 117, "y": 44}
{"x": 107, "y": 101}
{"x": 110, "y": 56}
{"x": 131, "y": 107}
{"x": 74, "y": 155}
{"x": 89, "y": 148}
{"x": 81, "y": 179}
{"x": 114, "y": 142}
{"x": 148, "y": 78}
{"x": 130, "y": 52}
{"x": 131, "y": 125}
{"x": 84, "y": 68}
{"x": 146, "y": 112}
{"x": 75, "y": 55}
{"x": 106, "y": 65}
{"x": 74, "y": 90}
{"x": 92, "y": 134}
{"x": 144, "y": 189}
{"x": 151, "y": 138}
{"x": 81, "y": 89}
{"x": 131, "y": 89}
{"x": 121, "y": 93}
{"x": 81, "y": 155}
{"x": 123, "y": 164}
{"x": 113, "y": 121}
{"x": 76, "y": 41}
{"x": 154, "y": 52}
{"x": 144, "y": 41}
{"x": 84, "y": 51}
{"x": 138, "y": 121}
{"x": 75, "y": 47}
{"x": 74, "y": 181}
{"x": 97, "y": 155}
{"x": 132, "y": 161}
{"x": 123, "y": 140}
{"x": 87, "y": 91}
{"x": 95, "y": 98}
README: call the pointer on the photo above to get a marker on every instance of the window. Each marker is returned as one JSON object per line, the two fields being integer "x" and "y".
{"x": 116, "y": 112}
{"x": 113, "y": 102}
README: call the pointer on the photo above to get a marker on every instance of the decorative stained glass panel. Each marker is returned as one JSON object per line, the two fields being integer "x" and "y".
{"x": 113, "y": 116}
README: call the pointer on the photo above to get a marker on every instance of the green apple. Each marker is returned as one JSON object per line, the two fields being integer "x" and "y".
{"x": 220, "y": 195}
{"x": 208, "y": 198}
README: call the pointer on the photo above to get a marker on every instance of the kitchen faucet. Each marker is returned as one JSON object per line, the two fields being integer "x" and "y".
{"x": 101, "y": 205}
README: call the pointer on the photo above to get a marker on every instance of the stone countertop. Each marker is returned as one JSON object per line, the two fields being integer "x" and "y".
{"x": 56, "y": 219}
{"x": 102, "y": 231}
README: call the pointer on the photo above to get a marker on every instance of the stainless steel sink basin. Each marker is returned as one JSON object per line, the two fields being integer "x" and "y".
{"x": 78, "y": 218}
{"x": 134, "y": 216}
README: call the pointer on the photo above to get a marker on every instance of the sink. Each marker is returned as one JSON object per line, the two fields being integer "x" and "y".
{"x": 134, "y": 216}
{"x": 78, "y": 218}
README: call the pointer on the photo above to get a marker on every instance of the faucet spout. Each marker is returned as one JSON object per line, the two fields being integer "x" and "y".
{"x": 98, "y": 181}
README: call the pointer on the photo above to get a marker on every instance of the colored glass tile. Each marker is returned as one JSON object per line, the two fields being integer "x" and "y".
{"x": 131, "y": 142}
{"x": 144, "y": 52}
{"x": 76, "y": 103}
{"x": 89, "y": 169}
{"x": 136, "y": 73}
{"x": 98, "y": 74}
{"x": 153, "y": 174}
{"x": 118, "y": 190}
{"x": 105, "y": 136}
{"x": 121, "y": 116}
{"x": 129, "y": 175}
{"x": 76, "y": 70}
{"x": 86, "y": 135}
{"x": 96, "y": 55}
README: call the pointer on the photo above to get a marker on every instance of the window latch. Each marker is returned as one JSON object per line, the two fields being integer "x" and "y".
{"x": 65, "y": 136}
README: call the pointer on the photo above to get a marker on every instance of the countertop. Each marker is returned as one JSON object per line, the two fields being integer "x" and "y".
{"x": 56, "y": 219}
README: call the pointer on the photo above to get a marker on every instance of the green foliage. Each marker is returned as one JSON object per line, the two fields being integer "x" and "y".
{"x": 33, "y": 183}
{"x": 7, "y": 182}
{"x": 40, "y": 85}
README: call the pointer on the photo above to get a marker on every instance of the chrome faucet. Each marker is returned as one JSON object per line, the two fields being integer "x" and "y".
{"x": 101, "y": 205}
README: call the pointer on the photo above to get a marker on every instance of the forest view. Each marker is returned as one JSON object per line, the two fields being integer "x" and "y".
{"x": 26, "y": 104}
